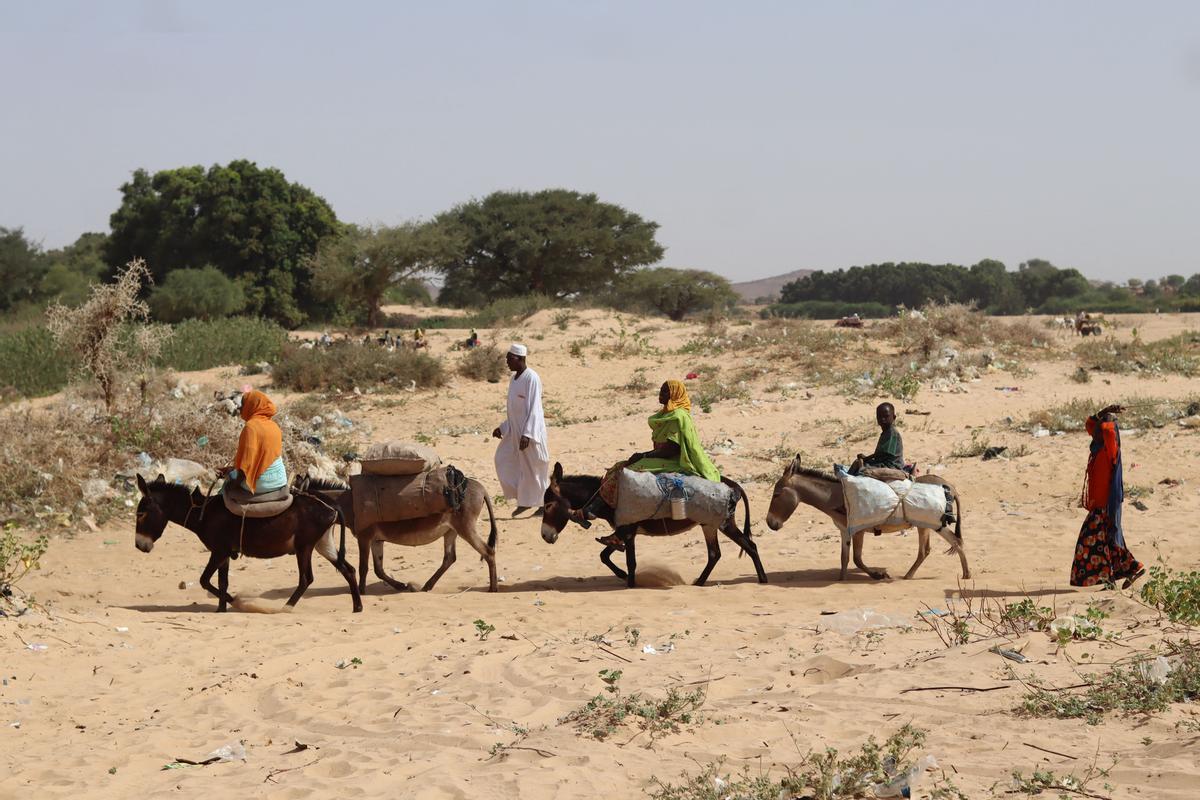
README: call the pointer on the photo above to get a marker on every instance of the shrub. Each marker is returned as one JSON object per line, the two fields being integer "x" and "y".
{"x": 347, "y": 366}
{"x": 484, "y": 363}
{"x": 507, "y": 311}
{"x": 672, "y": 292}
{"x": 1178, "y": 355}
{"x": 18, "y": 558}
{"x": 200, "y": 344}
{"x": 196, "y": 294}
{"x": 1175, "y": 594}
{"x": 827, "y": 309}
{"x": 31, "y": 364}
{"x": 605, "y": 713}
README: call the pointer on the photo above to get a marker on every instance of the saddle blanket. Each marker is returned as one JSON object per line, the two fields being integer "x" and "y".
{"x": 895, "y": 505}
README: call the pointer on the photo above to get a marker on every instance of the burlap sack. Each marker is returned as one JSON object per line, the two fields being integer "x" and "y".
{"x": 399, "y": 458}
{"x": 390, "y": 498}
{"x": 644, "y": 495}
{"x": 255, "y": 506}
{"x": 894, "y": 506}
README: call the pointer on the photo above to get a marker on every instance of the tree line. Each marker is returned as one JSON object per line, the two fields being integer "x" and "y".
{"x": 240, "y": 239}
{"x": 1035, "y": 286}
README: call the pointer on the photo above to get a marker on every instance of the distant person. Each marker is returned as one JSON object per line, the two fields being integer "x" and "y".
{"x": 473, "y": 339}
{"x": 523, "y": 456}
{"x": 419, "y": 341}
{"x": 1100, "y": 552}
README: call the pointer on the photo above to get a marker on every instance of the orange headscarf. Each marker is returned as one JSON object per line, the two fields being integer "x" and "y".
{"x": 261, "y": 441}
{"x": 677, "y": 397}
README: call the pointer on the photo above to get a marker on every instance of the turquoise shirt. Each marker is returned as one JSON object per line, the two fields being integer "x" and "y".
{"x": 273, "y": 478}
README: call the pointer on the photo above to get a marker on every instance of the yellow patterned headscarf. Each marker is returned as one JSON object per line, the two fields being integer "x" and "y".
{"x": 678, "y": 397}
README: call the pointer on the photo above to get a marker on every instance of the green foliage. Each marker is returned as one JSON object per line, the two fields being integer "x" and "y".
{"x": 201, "y": 344}
{"x": 828, "y": 309}
{"x": 505, "y": 311}
{"x": 32, "y": 364}
{"x": 1132, "y": 689}
{"x": 20, "y": 268}
{"x": 409, "y": 290}
{"x": 605, "y": 714}
{"x": 673, "y": 292}
{"x": 196, "y": 294}
{"x": 555, "y": 242}
{"x": 250, "y": 223}
{"x": 356, "y": 271}
{"x": 485, "y": 363}
{"x": 18, "y": 557}
{"x": 347, "y": 366}
{"x": 822, "y": 776}
{"x": 1177, "y": 594}
{"x": 483, "y": 629}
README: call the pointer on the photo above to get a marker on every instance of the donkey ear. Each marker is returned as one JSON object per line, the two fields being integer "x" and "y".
{"x": 141, "y": 482}
{"x": 557, "y": 475}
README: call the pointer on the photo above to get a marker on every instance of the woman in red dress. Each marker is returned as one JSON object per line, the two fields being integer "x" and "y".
{"x": 1100, "y": 554}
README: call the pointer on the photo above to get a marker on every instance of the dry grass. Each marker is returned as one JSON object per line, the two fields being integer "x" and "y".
{"x": 347, "y": 366}
{"x": 1178, "y": 355}
{"x": 484, "y": 363}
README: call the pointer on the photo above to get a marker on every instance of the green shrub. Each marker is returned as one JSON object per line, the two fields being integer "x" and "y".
{"x": 32, "y": 364}
{"x": 507, "y": 311}
{"x": 482, "y": 364}
{"x": 196, "y": 294}
{"x": 1177, "y": 594}
{"x": 18, "y": 558}
{"x": 674, "y": 293}
{"x": 347, "y": 366}
{"x": 200, "y": 344}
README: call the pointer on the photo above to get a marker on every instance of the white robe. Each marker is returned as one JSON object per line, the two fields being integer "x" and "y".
{"x": 524, "y": 474}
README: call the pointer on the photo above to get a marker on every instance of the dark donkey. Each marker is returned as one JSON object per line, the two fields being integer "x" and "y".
{"x": 306, "y": 526}
{"x": 447, "y": 526}
{"x": 573, "y": 492}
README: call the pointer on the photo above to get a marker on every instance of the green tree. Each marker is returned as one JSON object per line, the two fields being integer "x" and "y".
{"x": 1191, "y": 286}
{"x": 22, "y": 265}
{"x": 1175, "y": 282}
{"x": 72, "y": 270}
{"x": 250, "y": 223}
{"x": 674, "y": 292}
{"x": 358, "y": 270}
{"x": 196, "y": 294}
{"x": 554, "y": 242}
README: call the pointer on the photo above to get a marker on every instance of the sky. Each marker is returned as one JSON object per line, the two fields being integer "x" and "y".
{"x": 763, "y": 137}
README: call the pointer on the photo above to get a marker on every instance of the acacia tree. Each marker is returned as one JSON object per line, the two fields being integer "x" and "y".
{"x": 674, "y": 292}
{"x": 92, "y": 332}
{"x": 555, "y": 242}
{"x": 250, "y": 223}
{"x": 359, "y": 268}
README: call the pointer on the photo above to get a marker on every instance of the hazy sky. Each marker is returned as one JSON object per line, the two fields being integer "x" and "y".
{"x": 763, "y": 137}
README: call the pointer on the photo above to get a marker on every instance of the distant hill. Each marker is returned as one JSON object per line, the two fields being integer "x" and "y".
{"x": 768, "y": 287}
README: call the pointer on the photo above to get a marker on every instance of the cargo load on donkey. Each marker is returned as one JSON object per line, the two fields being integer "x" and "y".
{"x": 403, "y": 481}
{"x": 647, "y": 495}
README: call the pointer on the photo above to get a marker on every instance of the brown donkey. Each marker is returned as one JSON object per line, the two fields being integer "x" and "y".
{"x": 447, "y": 526}
{"x": 823, "y": 492}
{"x": 306, "y": 526}
{"x": 573, "y": 492}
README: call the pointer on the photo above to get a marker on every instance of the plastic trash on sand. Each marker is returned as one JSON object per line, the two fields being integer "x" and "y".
{"x": 234, "y": 751}
{"x": 853, "y": 620}
{"x": 901, "y": 785}
{"x": 1156, "y": 670}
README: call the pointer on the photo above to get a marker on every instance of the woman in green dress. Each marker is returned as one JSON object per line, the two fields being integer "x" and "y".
{"x": 675, "y": 448}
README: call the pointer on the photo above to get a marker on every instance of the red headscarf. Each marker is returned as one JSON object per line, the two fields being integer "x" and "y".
{"x": 261, "y": 441}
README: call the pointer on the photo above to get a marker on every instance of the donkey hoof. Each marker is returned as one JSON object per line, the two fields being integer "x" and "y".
{"x": 877, "y": 574}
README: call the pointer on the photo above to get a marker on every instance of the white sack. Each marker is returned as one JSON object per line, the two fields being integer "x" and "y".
{"x": 894, "y": 506}
{"x": 399, "y": 458}
{"x": 645, "y": 495}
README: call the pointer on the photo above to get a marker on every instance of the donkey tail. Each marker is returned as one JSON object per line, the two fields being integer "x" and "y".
{"x": 730, "y": 482}
{"x": 492, "y": 535}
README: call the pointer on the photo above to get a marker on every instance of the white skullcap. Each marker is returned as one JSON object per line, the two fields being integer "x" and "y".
{"x": 519, "y": 350}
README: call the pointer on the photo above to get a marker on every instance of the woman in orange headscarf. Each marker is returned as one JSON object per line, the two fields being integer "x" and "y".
{"x": 259, "y": 460}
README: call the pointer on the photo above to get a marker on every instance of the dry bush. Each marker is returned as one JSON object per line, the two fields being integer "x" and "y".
{"x": 1140, "y": 412}
{"x": 1178, "y": 355}
{"x": 484, "y": 363}
{"x": 937, "y": 325}
{"x": 93, "y": 332}
{"x": 348, "y": 366}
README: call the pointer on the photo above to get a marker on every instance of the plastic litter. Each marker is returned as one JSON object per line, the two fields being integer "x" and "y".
{"x": 901, "y": 785}
{"x": 234, "y": 751}
{"x": 853, "y": 620}
{"x": 143, "y": 460}
{"x": 1156, "y": 670}
{"x": 1011, "y": 655}
{"x": 202, "y": 441}
{"x": 1060, "y": 624}
{"x": 122, "y": 629}
{"x": 37, "y": 647}
{"x": 649, "y": 650}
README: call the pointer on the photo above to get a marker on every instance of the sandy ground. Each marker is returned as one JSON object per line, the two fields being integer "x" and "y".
{"x": 137, "y": 670}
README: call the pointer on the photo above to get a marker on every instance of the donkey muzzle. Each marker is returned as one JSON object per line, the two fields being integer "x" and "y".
{"x": 549, "y": 534}
{"x": 144, "y": 543}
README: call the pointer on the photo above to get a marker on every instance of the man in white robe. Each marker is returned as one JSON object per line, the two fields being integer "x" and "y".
{"x": 523, "y": 457}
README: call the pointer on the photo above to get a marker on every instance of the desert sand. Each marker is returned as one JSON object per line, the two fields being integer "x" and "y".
{"x": 406, "y": 699}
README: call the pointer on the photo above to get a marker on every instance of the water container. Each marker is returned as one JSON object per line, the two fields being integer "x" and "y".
{"x": 678, "y": 508}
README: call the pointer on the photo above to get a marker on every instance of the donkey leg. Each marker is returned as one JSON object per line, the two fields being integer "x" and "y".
{"x": 714, "y": 554}
{"x": 214, "y": 561}
{"x": 304, "y": 570}
{"x": 606, "y": 557}
{"x": 377, "y": 558}
{"x": 466, "y": 529}
{"x": 845, "y": 555}
{"x": 956, "y": 545}
{"x": 223, "y": 584}
{"x": 876, "y": 574}
{"x": 922, "y": 552}
{"x": 748, "y": 546}
{"x": 628, "y": 536}
{"x": 448, "y": 557}
{"x": 364, "y": 556}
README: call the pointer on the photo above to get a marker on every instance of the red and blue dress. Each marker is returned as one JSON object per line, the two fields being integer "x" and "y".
{"x": 1100, "y": 554}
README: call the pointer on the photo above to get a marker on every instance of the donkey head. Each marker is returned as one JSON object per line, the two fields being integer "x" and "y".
{"x": 151, "y": 516}
{"x": 784, "y": 498}
{"x": 556, "y": 510}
